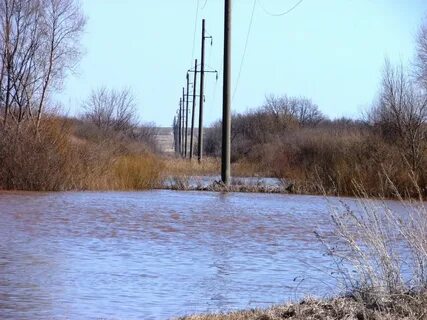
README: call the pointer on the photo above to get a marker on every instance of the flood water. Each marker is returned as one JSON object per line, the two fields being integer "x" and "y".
{"x": 157, "y": 254}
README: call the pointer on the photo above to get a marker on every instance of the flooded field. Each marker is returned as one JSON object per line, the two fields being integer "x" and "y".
{"x": 157, "y": 254}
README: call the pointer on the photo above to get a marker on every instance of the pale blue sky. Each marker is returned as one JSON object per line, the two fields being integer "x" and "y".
{"x": 331, "y": 51}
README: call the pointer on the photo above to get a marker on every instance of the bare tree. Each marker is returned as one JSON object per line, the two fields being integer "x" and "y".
{"x": 268, "y": 124}
{"x": 401, "y": 114}
{"x": 61, "y": 29}
{"x": 289, "y": 110}
{"x": 308, "y": 113}
{"x": 22, "y": 36}
{"x": 212, "y": 143}
{"x": 421, "y": 58}
{"x": 112, "y": 110}
{"x": 39, "y": 42}
{"x": 281, "y": 109}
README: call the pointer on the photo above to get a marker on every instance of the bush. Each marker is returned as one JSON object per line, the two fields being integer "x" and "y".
{"x": 30, "y": 161}
{"x": 136, "y": 172}
{"x": 55, "y": 159}
{"x": 333, "y": 153}
{"x": 336, "y": 160}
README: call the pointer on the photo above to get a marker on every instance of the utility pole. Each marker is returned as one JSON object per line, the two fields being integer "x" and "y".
{"x": 183, "y": 122}
{"x": 201, "y": 98}
{"x": 175, "y": 136}
{"x": 179, "y": 126}
{"x": 194, "y": 109}
{"x": 226, "y": 110}
{"x": 186, "y": 114}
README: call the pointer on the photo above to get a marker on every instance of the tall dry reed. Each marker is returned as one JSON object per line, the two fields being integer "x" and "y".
{"x": 380, "y": 251}
{"x": 55, "y": 159}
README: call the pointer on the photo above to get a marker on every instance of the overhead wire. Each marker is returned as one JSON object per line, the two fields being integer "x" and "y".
{"x": 249, "y": 31}
{"x": 247, "y": 36}
{"x": 195, "y": 30}
{"x": 204, "y": 5}
{"x": 282, "y": 13}
{"x": 245, "y": 49}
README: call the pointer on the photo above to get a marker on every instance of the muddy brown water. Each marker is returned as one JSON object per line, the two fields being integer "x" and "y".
{"x": 157, "y": 254}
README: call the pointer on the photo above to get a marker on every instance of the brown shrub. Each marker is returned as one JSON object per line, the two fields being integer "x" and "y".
{"x": 30, "y": 161}
{"x": 337, "y": 160}
{"x": 56, "y": 160}
{"x": 136, "y": 172}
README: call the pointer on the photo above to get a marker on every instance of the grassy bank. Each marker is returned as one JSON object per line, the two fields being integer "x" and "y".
{"x": 399, "y": 307}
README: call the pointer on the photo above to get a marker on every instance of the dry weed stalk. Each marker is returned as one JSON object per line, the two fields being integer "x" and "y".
{"x": 380, "y": 252}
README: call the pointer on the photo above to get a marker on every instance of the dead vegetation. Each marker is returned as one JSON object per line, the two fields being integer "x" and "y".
{"x": 399, "y": 307}
{"x": 58, "y": 159}
{"x": 289, "y": 138}
{"x": 40, "y": 150}
{"x": 276, "y": 140}
{"x": 181, "y": 167}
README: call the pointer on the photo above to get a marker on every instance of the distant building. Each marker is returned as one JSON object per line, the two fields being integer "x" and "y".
{"x": 165, "y": 141}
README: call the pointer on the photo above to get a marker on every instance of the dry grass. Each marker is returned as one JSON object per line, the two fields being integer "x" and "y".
{"x": 36, "y": 162}
{"x": 137, "y": 172}
{"x": 210, "y": 166}
{"x": 245, "y": 168}
{"x": 177, "y": 167}
{"x": 56, "y": 160}
{"x": 378, "y": 251}
{"x": 404, "y": 307}
{"x": 107, "y": 171}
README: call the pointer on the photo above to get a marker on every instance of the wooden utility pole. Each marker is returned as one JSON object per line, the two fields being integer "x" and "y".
{"x": 186, "y": 114}
{"x": 226, "y": 109}
{"x": 175, "y": 143}
{"x": 183, "y": 122}
{"x": 201, "y": 97}
{"x": 179, "y": 126}
{"x": 193, "y": 110}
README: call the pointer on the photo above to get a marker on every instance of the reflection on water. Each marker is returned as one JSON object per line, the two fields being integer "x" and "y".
{"x": 155, "y": 255}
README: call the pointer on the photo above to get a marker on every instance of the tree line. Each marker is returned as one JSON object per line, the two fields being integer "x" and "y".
{"x": 106, "y": 147}
{"x": 290, "y": 138}
{"x": 39, "y": 43}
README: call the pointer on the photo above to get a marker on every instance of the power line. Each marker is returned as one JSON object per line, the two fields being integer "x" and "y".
{"x": 245, "y": 50}
{"x": 279, "y": 14}
{"x": 195, "y": 30}
{"x": 249, "y": 31}
{"x": 204, "y": 5}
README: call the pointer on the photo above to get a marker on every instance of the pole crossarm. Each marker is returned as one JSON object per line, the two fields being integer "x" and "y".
{"x": 206, "y": 71}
